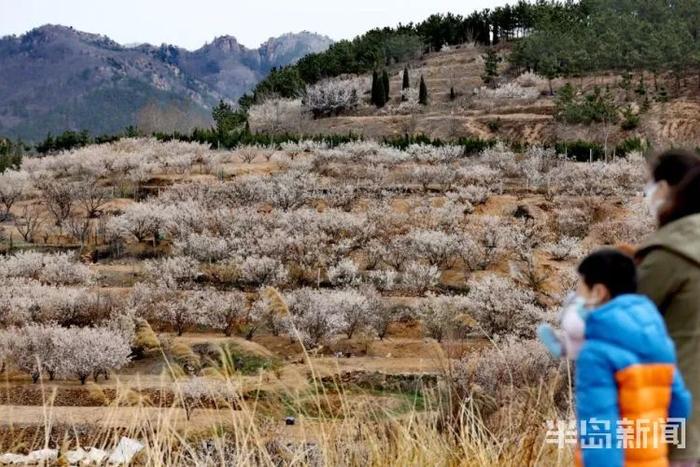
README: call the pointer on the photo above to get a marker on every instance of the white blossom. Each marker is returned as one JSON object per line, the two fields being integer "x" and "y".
{"x": 13, "y": 185}
{"x": 440, "y": 313}
{"x": 419, "y": 277}
{"x": 501, "y": 307}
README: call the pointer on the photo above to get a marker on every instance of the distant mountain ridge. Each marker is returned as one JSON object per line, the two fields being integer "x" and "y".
{"x": 55, "y": 77}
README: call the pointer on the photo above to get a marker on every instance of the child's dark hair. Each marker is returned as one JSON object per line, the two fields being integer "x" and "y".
{"x": 611, "y": 268}
{"x": 673, "y": 165}
{"x": 685, "y": 199}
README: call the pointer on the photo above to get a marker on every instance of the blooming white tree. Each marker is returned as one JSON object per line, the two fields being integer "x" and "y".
{"x": 172, "y": 272}
{"x": 90, "y": 196}
{"x": 344, "y": 274}
{"x": 473, "y": 194}
{"x": 419, "y": 277}
{"x": 64, "y": 352}
{"x": 203, "y": 247}
{"x": 224, "y": 311}
{"x": 353, "y": 308}
{"x": 441, "y": 313}
{"x": 277, "y": 115}
{"x": 141, "y": 220}
{"x": 29, "y": 223}
{"x": 312, "y": 317}
{"x": 59, "y": 198}
{"x": 182, "y": 313}
{"x": 23, "y": 301}
{"x": 564, "y": 248}
{"x": 508, "y": 91}
{"x": 334, "y": 96}
{"x": 384, "y": 279}
{"x": 436, "y": 247}
{"x": 487, "y": 242}
{"x": 199, "y": 391}
{"x": 92, "y": 351}
{"x": 13, "y": 185}
{"x": 502, "y": 159}
{"x": 58, "y": 268}
{"x": 382, "y": 315}
{"x": 38, "y": 350}
{"x": 573, "y": 221}
{"x": 257, "y": 270}
{"x": 501, "y": 307}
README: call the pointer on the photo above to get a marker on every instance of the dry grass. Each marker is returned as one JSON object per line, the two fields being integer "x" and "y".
{"x": 336, "y": 424}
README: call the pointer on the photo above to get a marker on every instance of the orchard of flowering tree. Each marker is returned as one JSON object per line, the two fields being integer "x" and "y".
{"x": 356, "y": 241}
{"x": 355, "y": 264}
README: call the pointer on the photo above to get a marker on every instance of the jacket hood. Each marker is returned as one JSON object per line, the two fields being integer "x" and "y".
{"x": 631, "y": 322}
{"x": 681, "y": 237}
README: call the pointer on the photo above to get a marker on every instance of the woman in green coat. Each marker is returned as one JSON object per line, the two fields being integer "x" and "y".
{"x": 669, "y": 273}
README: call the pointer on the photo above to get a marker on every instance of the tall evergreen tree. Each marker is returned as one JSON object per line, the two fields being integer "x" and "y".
{"x": 373, "y": 94}
{"x": 491, "y": 60}
{"x": 226, "y": 118}
{"x": 423, "y": 92}
{"x": 385, "y": 82}
{"x": 378, "y": 92}
{"x": 406, "y": 82}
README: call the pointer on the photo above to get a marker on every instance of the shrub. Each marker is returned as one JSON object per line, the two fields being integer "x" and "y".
{"x": 500, "y": 374}
{"x": 630, "y": 120}
{"x": 530, "y": 80}
{"x": 564, "y": 248}
{"x": 508, "y": 91}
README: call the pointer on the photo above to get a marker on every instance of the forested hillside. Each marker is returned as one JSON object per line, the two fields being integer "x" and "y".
{"x": 551, "y": 38}
{"x": 55, "y": 78}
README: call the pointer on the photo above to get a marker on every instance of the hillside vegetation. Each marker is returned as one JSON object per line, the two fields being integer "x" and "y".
{"x": 608, "y": 73}
{"x": 359, "y": 285}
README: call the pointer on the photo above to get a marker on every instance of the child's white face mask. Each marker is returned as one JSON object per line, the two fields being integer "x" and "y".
{"x": 573, "y": 325}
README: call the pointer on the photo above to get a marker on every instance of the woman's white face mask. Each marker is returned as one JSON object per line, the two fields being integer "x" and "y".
{"x": 653, "y": 199}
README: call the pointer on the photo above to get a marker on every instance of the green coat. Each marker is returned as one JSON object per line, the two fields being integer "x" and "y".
{"x": 669, "y": 274}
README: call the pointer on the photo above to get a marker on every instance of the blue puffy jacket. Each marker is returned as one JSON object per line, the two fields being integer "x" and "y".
{"x": 626, "y": 378}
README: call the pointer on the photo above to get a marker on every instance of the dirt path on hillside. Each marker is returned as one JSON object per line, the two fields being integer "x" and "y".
{"x": 110, "y": 417}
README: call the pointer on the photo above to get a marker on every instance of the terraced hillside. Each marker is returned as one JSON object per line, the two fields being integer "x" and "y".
{"x": 525, "y": 119}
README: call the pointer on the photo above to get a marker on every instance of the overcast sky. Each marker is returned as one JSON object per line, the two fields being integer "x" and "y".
{"x": 191, "y": 23}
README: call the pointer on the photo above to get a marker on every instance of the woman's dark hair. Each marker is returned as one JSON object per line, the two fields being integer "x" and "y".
{"x": 612, "y": 268}
{"x": 685, "y": 200}
{"x": 673, "y": 165}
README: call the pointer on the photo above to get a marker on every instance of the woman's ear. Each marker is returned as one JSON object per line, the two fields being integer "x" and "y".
{"x": 664, "y": 190}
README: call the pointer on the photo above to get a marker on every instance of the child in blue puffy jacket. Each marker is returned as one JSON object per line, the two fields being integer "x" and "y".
{"x": 627, "y": 385}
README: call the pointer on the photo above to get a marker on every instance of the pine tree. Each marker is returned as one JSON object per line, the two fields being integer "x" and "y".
{"x": 373, "y": 95}
{"x": 491, "y": 60}
{"x": 226, "y": 118}
{"x": 405, "y": 85}
{"x": 453, "y": 96}
{"x": 381, "y": 94}
{"x": 385, "y": 82}
{"x": 378, "y": 92}
{"x": 423, "y": 92}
